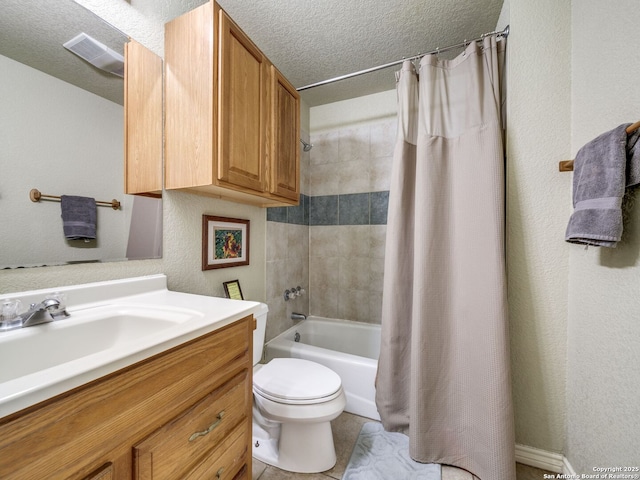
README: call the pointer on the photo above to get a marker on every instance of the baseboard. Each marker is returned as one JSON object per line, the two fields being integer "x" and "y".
{"x": 534, "y": 457}
{"x": 567, "y": 469}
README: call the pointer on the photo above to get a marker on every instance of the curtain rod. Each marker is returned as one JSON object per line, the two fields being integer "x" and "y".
{"x": 502, "y": 33}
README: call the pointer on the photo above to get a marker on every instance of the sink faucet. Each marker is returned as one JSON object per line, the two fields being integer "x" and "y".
{"x": 46, "y": 311}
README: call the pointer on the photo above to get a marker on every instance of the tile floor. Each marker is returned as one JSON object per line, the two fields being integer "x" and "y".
{"x": 345, "y": 433}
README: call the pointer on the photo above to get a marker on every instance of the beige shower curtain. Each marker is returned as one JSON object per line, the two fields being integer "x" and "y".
{"x": 443, "y": 375}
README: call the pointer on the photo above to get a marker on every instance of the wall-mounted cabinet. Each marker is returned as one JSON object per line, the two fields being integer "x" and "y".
{"x": 142, "y": 120}
{"x": 284, "y": 176}
{"x": 232, "y": 121}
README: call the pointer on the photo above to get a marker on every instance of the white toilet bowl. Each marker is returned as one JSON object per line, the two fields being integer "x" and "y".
{"x": 294, "y": 403}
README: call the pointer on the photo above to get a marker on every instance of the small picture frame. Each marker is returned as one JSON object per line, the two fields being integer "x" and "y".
{"x": 225, "y": 242}
{"x": 232, "y": 290}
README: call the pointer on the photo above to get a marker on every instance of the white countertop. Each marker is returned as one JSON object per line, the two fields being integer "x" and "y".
{"x": 203, "y": 314}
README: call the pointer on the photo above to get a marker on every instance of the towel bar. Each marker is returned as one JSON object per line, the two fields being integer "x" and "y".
{"x": 567, "y": 165}
{"x": 35, "y": 196}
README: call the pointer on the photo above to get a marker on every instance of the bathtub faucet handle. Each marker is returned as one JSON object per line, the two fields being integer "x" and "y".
{"x": 289, "y": 294}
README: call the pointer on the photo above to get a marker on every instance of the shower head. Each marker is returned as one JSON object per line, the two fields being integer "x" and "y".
{"x": 306, "y": 146}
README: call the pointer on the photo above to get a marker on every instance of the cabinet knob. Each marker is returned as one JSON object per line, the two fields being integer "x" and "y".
{"x": 219, "y": 473}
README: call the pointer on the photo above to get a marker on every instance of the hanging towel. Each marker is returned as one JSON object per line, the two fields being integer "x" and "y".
{"x": 603, "y": 168}
{"x": 78, "y": 217}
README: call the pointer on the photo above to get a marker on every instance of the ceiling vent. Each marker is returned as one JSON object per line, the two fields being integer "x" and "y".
{"x": 96, "y": 54}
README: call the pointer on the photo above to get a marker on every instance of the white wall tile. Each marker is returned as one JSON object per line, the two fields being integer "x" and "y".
{"x": 325, "y": 148}
{"x": 354, "y": 144}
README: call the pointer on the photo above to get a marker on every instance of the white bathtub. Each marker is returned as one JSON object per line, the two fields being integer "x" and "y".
{"x": 351, "y": 349}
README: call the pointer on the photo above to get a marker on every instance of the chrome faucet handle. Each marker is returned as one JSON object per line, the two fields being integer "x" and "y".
{"x": 50, "y": 304}
{"x": 9, "y": 318}
{"x": 55, "y": 304}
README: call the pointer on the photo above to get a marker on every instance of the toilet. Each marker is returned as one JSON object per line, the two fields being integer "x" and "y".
{"x": 294, "y": 401}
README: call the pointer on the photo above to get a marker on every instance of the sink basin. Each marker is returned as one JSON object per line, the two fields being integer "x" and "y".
{"x": 84, "y": 333}
{"x": 113, "y": 325}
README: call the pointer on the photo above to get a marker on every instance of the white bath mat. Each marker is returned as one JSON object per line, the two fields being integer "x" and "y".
{"x": 380, "y": 455}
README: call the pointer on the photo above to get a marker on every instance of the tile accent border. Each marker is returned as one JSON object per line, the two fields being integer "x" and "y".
{"x": 346, "y": 209}
{"x": 298, "y": 215}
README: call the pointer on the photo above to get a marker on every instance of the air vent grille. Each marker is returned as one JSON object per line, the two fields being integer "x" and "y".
{"x": 96, "y": 54}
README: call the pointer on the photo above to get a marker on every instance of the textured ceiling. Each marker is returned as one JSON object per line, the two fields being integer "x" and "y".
{"x": 308, "y": 41}
{"x": 33, "y": 31}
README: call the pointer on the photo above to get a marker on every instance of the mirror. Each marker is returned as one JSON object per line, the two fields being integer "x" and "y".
{"x": 62, "y": 132}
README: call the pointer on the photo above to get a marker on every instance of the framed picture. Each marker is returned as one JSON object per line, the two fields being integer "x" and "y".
{"x": 225, "y": 242}
{"x": 232, "y": 290}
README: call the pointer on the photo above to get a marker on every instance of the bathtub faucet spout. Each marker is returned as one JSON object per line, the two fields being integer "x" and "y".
{"x": 298, "y": 316}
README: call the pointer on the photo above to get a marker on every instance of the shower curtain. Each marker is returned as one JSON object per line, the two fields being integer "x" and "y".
{"x": 443, "y": 374}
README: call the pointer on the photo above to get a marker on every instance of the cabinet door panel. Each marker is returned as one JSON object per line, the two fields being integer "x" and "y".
{"x": 190, "y": 73}
{"x": 143, "y": 120}
{"x": 285, "y": 130}
{"x": 242, "y": 101}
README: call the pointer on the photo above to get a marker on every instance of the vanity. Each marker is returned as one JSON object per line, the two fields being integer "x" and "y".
{"x": 164, "y": 392}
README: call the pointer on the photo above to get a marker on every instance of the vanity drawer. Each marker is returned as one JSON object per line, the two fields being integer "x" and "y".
{"x": 173, "y": 449}
{"x": 228, "y": 461}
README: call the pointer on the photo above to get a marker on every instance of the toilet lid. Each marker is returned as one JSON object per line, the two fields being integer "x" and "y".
{"x": 296, "y": 379}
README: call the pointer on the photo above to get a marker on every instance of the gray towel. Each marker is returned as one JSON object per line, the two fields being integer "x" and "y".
{"x": 601, "y": 171}
{"x": 78, "y": 217}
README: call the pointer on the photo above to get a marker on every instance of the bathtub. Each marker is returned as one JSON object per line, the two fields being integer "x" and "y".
{"x": 351, "y": 349}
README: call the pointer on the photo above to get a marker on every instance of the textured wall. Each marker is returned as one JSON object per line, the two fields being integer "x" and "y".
{"x": 538, "y": 135}
{"x": 183, "y": 246}
{"x": 603, "y": 389}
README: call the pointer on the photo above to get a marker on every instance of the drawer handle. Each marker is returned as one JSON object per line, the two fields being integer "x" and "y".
{"x": 208, "y": 430}
{"x": 219, "y": 473}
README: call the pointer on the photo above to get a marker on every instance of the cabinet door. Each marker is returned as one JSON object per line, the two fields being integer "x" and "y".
{"x": 143, "y": 120}
{"x": 242, "y": 109}
{"x": 285, "y": 133}
{"x": 191, "y": 63}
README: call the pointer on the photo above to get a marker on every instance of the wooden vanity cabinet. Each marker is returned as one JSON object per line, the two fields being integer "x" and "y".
{"x": 184, "y": 413}
{"x": 142, "y": 121}
{"x": 229, "y": 130}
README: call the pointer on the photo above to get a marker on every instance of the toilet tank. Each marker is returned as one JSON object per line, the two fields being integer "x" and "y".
{"x": 259, "y": 332}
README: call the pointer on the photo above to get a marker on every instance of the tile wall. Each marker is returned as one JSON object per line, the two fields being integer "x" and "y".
{"x": 288, "y": 256}
{"x": 336, "y": 236}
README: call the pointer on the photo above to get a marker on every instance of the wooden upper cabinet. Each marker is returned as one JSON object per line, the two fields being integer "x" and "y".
{"x": 143, "y": 120}
{"x": 190, "y": 63}
{"x": 225, "y": 107}
{"x": 284, "y": 176}
{"x": 242, "y": 104}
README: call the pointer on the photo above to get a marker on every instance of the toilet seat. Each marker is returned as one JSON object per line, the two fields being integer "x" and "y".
{"x": 295, "y": 381}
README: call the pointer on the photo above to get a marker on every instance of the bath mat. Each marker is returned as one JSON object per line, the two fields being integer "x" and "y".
{"x": 380, "y": 455}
